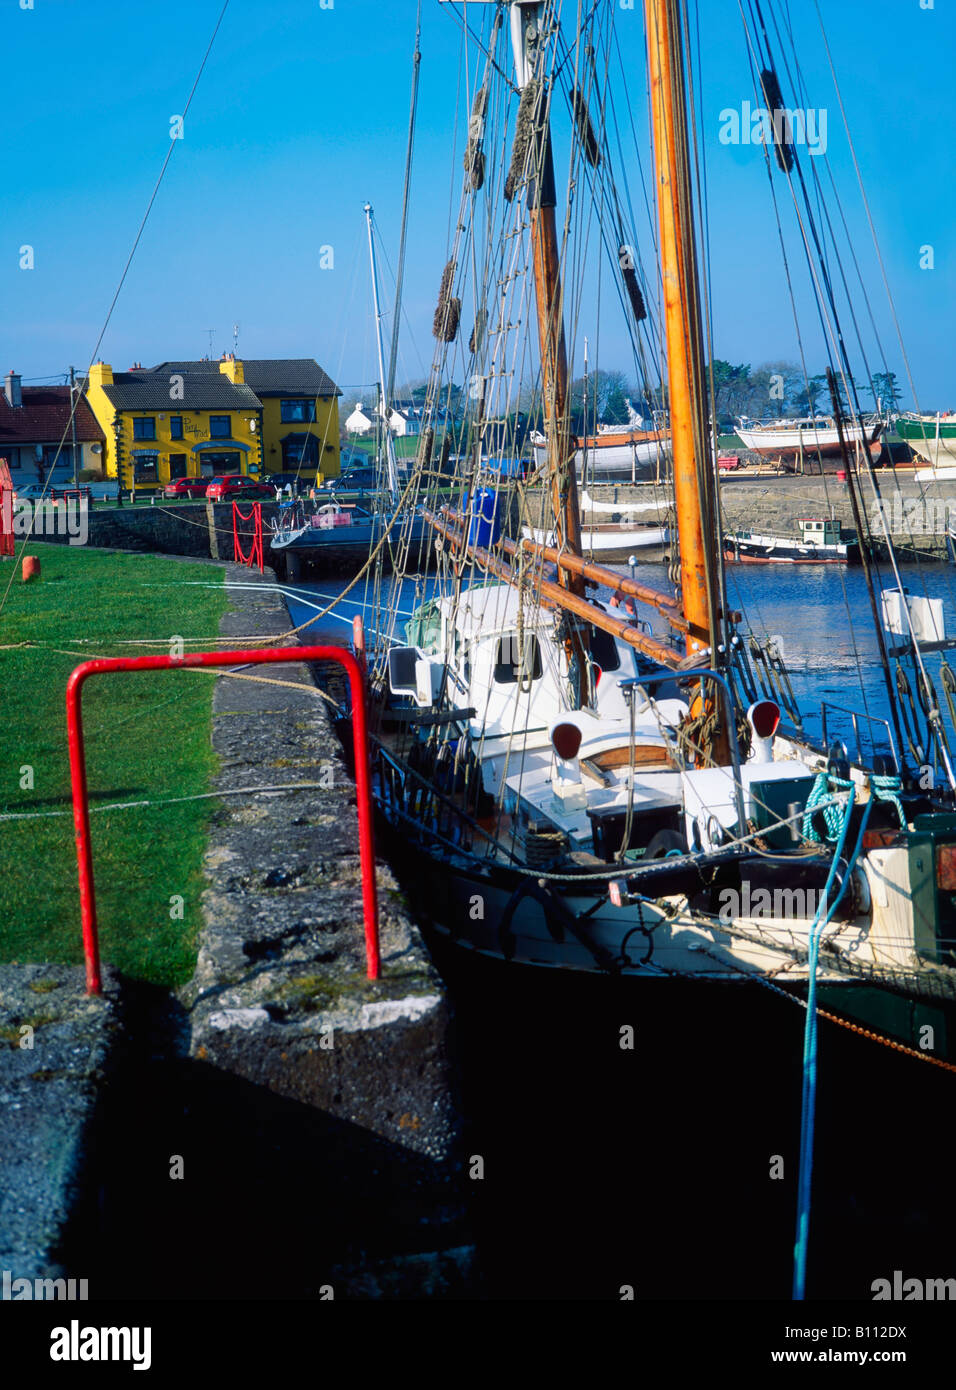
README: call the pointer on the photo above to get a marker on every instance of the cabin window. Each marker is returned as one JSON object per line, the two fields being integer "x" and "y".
{"x": 604, "y": 652}
{"x": 509, "y": 665}
{"x": 144, "y": 428}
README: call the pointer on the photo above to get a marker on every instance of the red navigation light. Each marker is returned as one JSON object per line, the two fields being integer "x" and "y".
{"x": 566, "y": 740}
{"x": 764, "y": 716}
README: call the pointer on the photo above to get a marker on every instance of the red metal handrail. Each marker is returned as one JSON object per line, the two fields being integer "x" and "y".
{"x": 255, "y": 554}
{"x": 259, "y": 657}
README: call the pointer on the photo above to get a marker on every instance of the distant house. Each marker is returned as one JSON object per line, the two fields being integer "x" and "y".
{"x": 361, "y": 421}
{"x": 404, "y": 418}
{"x": 200, "y": 418}
{"x": 36, "y": 437}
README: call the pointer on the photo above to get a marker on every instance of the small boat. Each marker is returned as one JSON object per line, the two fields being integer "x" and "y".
{"x": 932, "y": 437}
{"x": 612, "y": 529}
{"x": 813, "y": 438}
{"x": 822, "y": 543}
{"x": 614, "y": 455}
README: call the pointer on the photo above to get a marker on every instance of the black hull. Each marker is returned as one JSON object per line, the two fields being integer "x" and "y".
{"x": 443, "y": 893}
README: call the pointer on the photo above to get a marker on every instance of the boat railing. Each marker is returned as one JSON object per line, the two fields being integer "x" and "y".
{"x": 641, "y": 683}
{"x": 856, "y": 716}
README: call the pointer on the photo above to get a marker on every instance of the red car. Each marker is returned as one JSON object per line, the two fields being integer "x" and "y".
{"x": 186, "y": 487}
{"x": 237, "y": 485}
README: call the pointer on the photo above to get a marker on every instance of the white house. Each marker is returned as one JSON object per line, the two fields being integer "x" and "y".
{"x": 361, "y": 420}
{"x": 404, "y": 418}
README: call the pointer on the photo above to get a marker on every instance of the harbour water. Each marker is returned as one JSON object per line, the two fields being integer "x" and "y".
{"x": 819, "y": 614}
{"x": 663, "y": 1160}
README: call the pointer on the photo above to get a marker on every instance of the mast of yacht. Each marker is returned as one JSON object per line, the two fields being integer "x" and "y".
{"x": 527, "y": 33}
{"x": 695, "y": 495}
{"x": 694, "y": 486}
{"x": 391, "y": 466}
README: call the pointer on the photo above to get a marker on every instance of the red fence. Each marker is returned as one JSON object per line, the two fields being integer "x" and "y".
{"x": 258, "y": 657}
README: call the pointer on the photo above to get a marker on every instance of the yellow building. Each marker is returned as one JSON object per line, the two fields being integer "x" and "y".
{"x": 200, "y": 419}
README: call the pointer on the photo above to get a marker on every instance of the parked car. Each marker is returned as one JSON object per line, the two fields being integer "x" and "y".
{"x": 186, "y": 487}
{"x": 30, "y": 492}
{"x": 237, "y": 485}
{"x": 283, "y": 480}
{"x": 352, "y": 480}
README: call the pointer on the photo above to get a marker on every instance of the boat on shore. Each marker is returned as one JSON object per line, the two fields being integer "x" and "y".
{"x": 810, "y": 440}
{"x": 932, "y": 438}
{"x": 615, "y": 456}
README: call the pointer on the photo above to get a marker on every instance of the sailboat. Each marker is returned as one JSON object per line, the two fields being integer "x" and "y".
{"x": 341, "y": 533}
{"x": 567, "y": 786}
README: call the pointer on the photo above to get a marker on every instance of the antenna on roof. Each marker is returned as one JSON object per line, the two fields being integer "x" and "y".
{"x": 210, "y": 331}
{"x": 235, "y": 340}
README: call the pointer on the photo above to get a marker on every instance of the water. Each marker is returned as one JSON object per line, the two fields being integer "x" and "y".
{"x": 821, "y": 613}
{"x": 651, "y": 1167}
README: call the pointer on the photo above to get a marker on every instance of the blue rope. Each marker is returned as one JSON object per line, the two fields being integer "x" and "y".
{"x": 832, "y": 814}
{"x": 809, "y": 1098}
{"x": 888, "y": 788}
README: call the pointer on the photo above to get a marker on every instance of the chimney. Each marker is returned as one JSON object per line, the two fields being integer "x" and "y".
{"x": 11, "y": 389}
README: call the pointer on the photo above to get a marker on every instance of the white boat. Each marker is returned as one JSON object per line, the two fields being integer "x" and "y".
{"x": 615, "y": 456}
{"x": 796, "y": 438}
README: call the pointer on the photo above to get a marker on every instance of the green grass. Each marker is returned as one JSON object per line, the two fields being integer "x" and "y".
{"x": 147, "y": 736}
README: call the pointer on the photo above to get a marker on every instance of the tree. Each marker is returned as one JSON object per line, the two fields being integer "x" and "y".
{"x": 732, "y": 387}
{"x": 807, "y": 397}
{"x": 774, "y": 387}
{"x": 885, "y": 390}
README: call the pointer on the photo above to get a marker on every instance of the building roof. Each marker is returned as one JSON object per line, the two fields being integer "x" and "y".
{"x": 267, "y": 376}
{"x": 200, "y": 391}
{"x": 44, "y": 418}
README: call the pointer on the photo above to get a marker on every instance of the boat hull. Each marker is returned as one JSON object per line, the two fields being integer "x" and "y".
{"x": 776, "y": 550}
{"x": 343, "y": 546}
{"x": 932, "y": 440}
{"x": 617, "y": 458}
{"x": 810, "y": 443}
{"x": 610, "y": 541}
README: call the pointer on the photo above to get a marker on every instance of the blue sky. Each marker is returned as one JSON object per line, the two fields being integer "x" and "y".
{"x": 301, "y": 116}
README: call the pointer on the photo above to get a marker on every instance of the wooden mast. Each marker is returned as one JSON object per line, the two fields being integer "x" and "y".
{"x": 694, "y": 488}
{"x": 685, "y": 361}
{"x": 526, "y": 31}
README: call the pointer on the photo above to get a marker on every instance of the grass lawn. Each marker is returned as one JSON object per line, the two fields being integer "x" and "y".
{"x": 147, "y": 736}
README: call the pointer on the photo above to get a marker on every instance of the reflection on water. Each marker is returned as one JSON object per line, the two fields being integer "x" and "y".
{"x": 821, "y": 614}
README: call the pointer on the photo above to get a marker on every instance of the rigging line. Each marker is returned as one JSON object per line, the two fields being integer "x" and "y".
{"x": 769, "y": 171}
{"x": 866, "y": 205}
{"x": 823, "y": 213}
{"x": 467, "y": 29}
{"x": 416, "y": 61}
{"x": 106, "y": 322}
{"x": 847, "y": 377}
